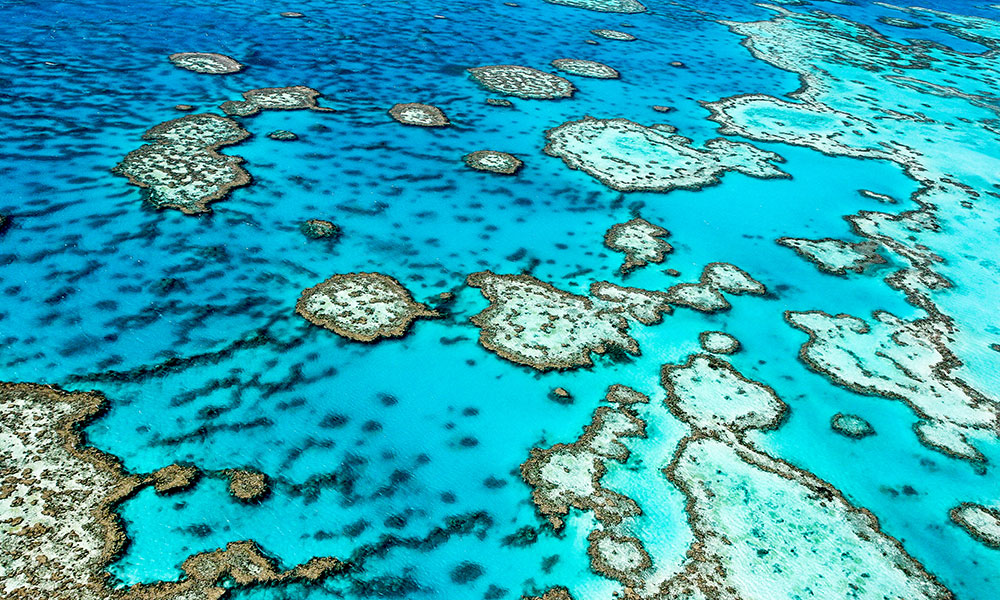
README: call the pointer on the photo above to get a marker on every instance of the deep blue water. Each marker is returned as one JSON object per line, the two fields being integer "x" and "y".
{"x": 83, "y": 263}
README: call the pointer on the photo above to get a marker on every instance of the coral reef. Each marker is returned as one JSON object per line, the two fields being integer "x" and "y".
{"x": 316, "y": 229}
{"x": 979, "y": 521}
{"x": 282, "y": 135}
{"x": 613, "y": 34}
{"x": 174, "y": 478}
{"x": 421, "y": 115}
{"x": 640, "y": 240}
{"x": 568, "y": 476}
{"x": 297, "y": 97}
{"x": 493, "y": 161}
{"x": 763, "y": 528}
{"x": 851, "y": 426}
{"x": 247, "y": 485}
{"x": 611, "y": 6}
{"x": 180, "y": 167}
{"x": 58, "y": 504}
{"x": 718, "y": 342}
{"x": 585, "y": 68}
{"x": 532, "y": 323}
{"x": 523, "y": 82}
{"x": 206, "y": 62}
{"x": 630, "y": 157}
{"x": 903, "y": 360}
{"x": 361, "y": 306}
{"x": 836, "y": 257}
{"x": 706, "y": 295}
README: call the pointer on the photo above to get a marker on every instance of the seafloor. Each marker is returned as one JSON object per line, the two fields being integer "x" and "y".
{"x": 483, "y": 299}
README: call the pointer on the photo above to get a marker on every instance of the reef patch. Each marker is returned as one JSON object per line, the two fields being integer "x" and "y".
{"x": 629, "y": 157}
{"x": 493, "y": 161}
{"x": 523, "y": 82}
{"x": 282, "y": 135}
{"x": 532, "y": 323}
{"x": 567, "y": 476}
{"x": 718, "y": 342}
{"x": 610, "y": 6}
{"x": 981, "y": 522}
{"x": 706, "y": 295}
{"x": 362, "y": 306}
{"x": 903, "y": 360}
{"x": 851, "y": 426}
{"x": 585, "y": 68}
{"x": 296, "y": 97}
{"x": 59, "y": 506}
{"x": 421, "y": 115}
{"x": 206, "y": 62}
{"x": 613, "y": 34}
{"x": 753, "y": 514}
{"x": 640, "y": 241}
{"x": 180, "y": 167}
{"x": 247, "y": 485}
{"x": 836, "y": 257}
{"x": 317, "y": 229}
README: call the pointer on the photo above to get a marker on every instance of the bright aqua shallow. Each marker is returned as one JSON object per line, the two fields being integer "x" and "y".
{"x": 84, "y": 259}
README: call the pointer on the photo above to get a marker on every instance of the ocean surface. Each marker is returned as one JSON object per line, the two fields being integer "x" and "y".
{"x": 187, "y": 323}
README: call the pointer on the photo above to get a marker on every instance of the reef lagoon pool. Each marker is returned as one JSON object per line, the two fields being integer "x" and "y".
{"x": 545, "y": 299}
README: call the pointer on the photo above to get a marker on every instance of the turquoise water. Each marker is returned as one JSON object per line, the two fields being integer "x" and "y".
{"x": 397, "y": 438}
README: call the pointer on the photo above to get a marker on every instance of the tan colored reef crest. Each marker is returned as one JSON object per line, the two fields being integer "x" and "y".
{"x": 362, "y": 306}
